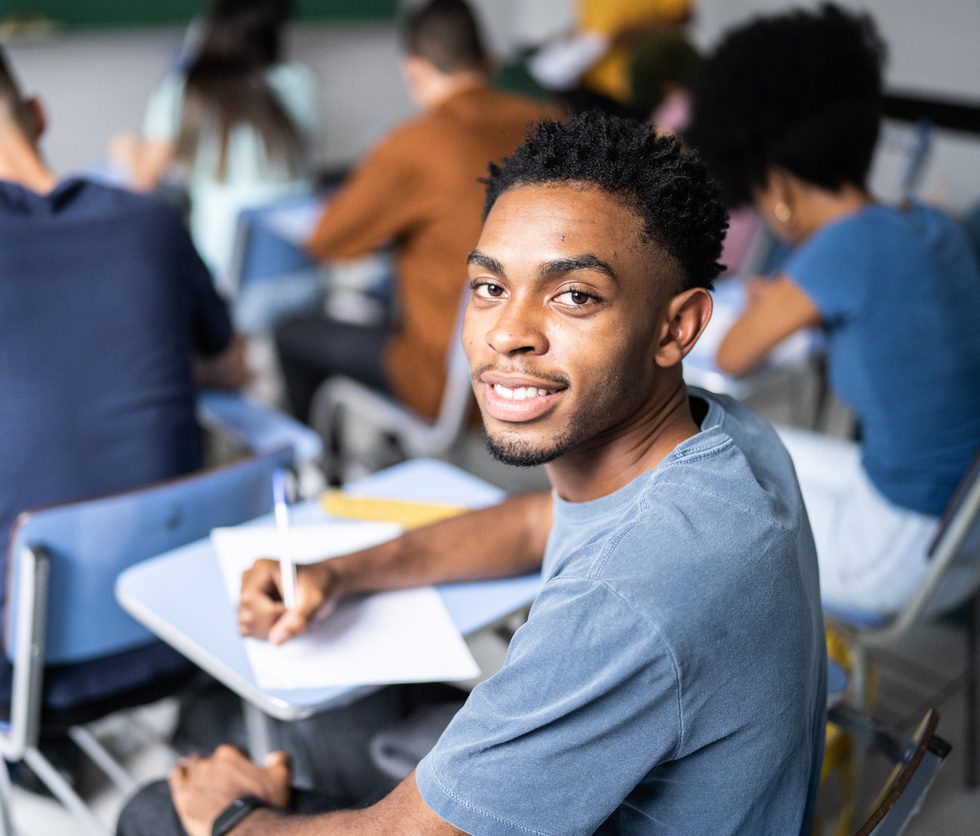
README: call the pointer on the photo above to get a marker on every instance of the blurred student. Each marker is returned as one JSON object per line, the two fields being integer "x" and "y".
{"x": 787, "y": 112}
{"x": 240, "y": 122}
{"x": 588, "y": 67}
{"x": 108, "y": 321}
{"x": 661, "y": 67}
{"x": 418, "y": 189}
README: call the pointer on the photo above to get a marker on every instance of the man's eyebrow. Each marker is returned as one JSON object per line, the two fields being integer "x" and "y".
{"x": 486, "y": 262}
{"x": 588, "y": 261}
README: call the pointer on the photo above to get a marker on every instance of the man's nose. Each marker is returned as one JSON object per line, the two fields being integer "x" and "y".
{"x": 518, "y": 329}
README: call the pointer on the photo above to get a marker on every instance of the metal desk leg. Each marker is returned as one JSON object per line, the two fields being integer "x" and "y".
{"x": 970, "y": 699}
{"x": 260, "y": 732}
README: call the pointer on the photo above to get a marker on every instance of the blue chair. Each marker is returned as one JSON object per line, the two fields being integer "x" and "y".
{"x": 76, "y": 655}
{"x": 249, "y": 426}
{"x": 271, "y": 274}
{"x": 916, "y": 765}
{"x": 415, "y": 435}
{"x": 953, "y": 578}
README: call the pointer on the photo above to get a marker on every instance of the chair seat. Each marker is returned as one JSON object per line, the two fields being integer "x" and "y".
{"x": 79, "y": 693}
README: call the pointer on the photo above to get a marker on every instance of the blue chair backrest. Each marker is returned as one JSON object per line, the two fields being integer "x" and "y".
{"x": 92, "y": 541}
{"x": 274, "y": 276}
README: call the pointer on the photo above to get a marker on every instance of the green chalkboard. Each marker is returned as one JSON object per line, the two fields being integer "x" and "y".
{"x": 103, "y": 14}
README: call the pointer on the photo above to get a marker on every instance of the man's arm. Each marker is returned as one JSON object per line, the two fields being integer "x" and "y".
{"x": 226, "y": 370}
{"x": 377, "y": 203}
{"x": 776, "y": 309}
{"x": 203, "y": 787}
{"x": 504, "y": 540}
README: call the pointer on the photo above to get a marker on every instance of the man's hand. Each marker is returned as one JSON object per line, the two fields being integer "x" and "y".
{"x": 227, "y": 370}
{"x": 203, "y": 786}
{"x": 261, "y": 612}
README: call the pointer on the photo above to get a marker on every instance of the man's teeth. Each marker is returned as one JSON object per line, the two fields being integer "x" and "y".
{"x": 521, "y": 392}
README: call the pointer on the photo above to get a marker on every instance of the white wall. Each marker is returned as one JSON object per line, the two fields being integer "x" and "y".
{"x": 96, "y": 83}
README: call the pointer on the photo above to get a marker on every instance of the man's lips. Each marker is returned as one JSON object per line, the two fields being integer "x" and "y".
{"x": 516, "y": 399}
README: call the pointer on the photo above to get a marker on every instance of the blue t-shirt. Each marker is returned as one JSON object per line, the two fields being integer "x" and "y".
{"x": 103, "y": 305}
{"x": 899, "y": 294}
{"x": 671, "y": 675}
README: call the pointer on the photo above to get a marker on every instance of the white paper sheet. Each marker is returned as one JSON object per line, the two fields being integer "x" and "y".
{"x": 402, "y": 636}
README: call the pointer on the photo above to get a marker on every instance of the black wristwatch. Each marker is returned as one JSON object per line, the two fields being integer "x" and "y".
{"x": 235, "y": 812}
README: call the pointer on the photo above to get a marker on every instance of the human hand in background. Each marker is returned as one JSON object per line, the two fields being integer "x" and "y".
{"x": 227, "y": 370}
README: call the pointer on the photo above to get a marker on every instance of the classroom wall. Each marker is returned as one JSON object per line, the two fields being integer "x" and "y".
{"x": 96, "y": 83}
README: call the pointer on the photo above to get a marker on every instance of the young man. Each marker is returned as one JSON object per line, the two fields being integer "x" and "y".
{"x": 105, "y": 309}
{"x": 417, "y": 189}
{"x": 670, "y": 676}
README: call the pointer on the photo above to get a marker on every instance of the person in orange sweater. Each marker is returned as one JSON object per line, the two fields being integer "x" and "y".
{"x": 418, "y": 189}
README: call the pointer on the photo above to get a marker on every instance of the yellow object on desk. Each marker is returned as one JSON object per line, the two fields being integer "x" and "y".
{"x": 407, "y": 514}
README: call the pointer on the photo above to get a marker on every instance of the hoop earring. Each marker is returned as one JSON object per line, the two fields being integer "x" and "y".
{"x": 782, "y": 213}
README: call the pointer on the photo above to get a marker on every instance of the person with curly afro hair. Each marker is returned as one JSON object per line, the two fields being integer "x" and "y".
{"x": 786, "y": 114}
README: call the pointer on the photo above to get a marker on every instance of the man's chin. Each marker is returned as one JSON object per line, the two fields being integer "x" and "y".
{"x": 522, "y": 453}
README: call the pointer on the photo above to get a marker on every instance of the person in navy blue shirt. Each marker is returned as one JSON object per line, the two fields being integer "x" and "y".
{"x": 105, "y": 308}
{"x": 787, "y": 114}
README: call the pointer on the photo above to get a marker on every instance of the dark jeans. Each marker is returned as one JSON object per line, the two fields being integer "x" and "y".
{"x": 312, "y": 348}
{"x": 329, "y": 751}
{"x": 151, "y": 811}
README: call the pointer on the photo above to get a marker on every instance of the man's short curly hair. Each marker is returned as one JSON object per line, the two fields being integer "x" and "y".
{"x": 668, "y": 188}
{"x": 799, "y": 91}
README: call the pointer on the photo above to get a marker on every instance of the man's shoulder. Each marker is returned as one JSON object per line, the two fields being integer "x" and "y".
{"x": 730, "y": 489}
{"x": 77, "y": 202}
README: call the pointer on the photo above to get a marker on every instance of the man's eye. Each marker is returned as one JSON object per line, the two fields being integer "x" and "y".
{"x": 575, "y": 298}
{"x": 487, "y": 290}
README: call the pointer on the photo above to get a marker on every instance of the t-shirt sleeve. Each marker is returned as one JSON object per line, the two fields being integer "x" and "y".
{"x": 586, "y": 704}
{"x": 163, "y": 111}
{"x": 828, "y": 268}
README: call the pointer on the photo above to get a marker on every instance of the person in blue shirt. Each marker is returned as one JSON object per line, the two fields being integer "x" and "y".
{"x": 108, "y": 322}
{"x": 671, "y": 674}
{"x": 787, "y": 113}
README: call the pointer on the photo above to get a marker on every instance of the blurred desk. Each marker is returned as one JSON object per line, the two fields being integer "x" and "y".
{"x": 794, "y": 356}
{"x": 274, "y": 275}
{"x": 181, "y": 597}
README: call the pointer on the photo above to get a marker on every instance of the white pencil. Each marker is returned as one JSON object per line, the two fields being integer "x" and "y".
{"x": 287, "y": 569}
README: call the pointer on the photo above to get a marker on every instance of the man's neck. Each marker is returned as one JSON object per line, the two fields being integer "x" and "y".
{"x": 21, "y": 163}
{"x": 441, "y": 89}
{"x": 818, "y": 207}
{"x": 612, "y": 461}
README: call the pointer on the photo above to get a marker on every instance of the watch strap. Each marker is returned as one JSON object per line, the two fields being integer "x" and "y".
{"x": 235, "y": 812}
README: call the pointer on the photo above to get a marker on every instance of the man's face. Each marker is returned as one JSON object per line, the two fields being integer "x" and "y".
{"x": 562, "y": 327}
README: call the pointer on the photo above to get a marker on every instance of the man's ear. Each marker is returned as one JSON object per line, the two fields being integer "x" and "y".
{"x": 37, "y": 118}
{"x": 686, "y": 317}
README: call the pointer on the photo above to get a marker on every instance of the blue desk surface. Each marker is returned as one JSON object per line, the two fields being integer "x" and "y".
{"x": 181, "y": 597}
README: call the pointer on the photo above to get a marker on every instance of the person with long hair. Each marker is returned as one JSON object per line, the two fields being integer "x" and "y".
{"x": 787, "y": 113}
{"x": 239, "y": 122}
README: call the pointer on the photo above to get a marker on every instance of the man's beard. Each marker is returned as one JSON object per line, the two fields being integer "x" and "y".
{"x": 520, "y": 453}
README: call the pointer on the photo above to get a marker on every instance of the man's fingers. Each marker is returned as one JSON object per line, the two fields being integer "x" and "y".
{"x": 257, "y": 613}
{"x": 277, "y": 759}
{"x": 292, "y": 623}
